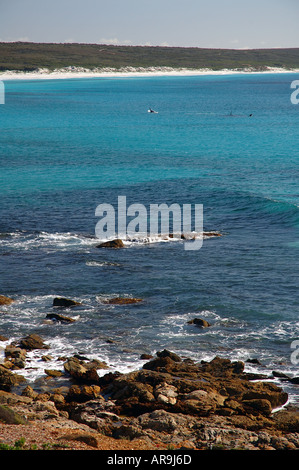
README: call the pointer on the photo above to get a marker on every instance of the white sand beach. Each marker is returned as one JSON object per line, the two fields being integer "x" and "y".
{"x": 79, "y": 72}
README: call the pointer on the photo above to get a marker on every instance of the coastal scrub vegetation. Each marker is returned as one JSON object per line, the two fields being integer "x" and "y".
{"x": 27, "y": 56}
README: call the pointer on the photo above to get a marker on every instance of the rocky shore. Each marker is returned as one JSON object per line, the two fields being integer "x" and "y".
{"x": 171, "y": 403}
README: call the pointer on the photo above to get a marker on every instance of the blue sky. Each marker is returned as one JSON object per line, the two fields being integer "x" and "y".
{"x": 233, "y": 24}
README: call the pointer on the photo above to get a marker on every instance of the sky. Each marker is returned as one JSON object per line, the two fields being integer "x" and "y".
{"x": 233, "y": 24}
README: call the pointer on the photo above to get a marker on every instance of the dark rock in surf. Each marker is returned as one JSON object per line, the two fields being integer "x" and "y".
{"x": 145, "y": 356}
{"x": 59, "y": 318}
{"x": 122, "y": 301}
{"x": 62, "y": 302}
{"x": 16, "y": 356}
{"x": 165, "y": 353}
{"x": 31, "y": 342}
{"x": 117, "y": 243}
{"x": 199, "y": 322}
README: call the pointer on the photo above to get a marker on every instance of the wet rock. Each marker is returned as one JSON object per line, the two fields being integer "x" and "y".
{"x": 199, "y": 322}
{"x": 17, "y": 356}
{"x": 53, "y": 373}
{"x": 63, "y": 302}
{"x": 165, "y": 353}
{"x": 31, "y": 342}
{"x": 254, "y": 361}
{"x": 145, "y": 356}
{"x": 59, "y": 318}
{"x": 122, "y": 301}
{"x": 117, "y": 243}
{"x": 212, "y": 234}
{"x": 5, "y": 300}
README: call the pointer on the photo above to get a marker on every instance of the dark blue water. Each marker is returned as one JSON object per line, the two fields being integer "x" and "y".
{"x": 67, "y": 146}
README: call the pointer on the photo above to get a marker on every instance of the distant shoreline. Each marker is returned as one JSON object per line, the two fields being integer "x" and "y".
{"x": 127, "y": 72}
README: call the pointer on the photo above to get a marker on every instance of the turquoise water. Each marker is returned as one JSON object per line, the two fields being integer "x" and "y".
{"x": 228, "y": 142}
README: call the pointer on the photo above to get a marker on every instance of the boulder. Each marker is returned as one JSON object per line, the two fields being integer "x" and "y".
{"x": 9, "y": 379}
{"x": 268, "y": 391}
{"x": 31, "y": 342}
{"x": 9, "y": 416}
{"x": 53, "y": 373}
{"x": 17, "y": 356}
{"x": 165, "y": 353}
{"x": 59, "y": 318}
{"x": 259, "y": 405}
{"x": 83, "y": 393}
{"x": 165, "y": 393}
{"x": 82, "y": 372}
{"x": 63, "y": 302}
{"x": 199, "y": 322}
{"x": 97, "y": 414}
{"x": 5, "y": 300}
{"x": 117, "y": 243}
{"x": 287, "y": 420}
{"x": 222, "y": 367}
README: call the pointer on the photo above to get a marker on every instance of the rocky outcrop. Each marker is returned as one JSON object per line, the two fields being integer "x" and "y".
{"x": 63, "y": 302}
{"x": 5, "y": 300}
{"x": 31, "y": 342}
{"x": 218, "y": 387}
{"x": 117, "y": 243}
{"x": 171, "y": 401}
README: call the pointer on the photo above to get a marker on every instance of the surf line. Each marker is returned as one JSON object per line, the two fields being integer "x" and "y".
{"x": 136, "y": 221}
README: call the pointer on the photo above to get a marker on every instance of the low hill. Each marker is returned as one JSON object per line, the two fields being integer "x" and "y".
{"x": 27, "y": 56}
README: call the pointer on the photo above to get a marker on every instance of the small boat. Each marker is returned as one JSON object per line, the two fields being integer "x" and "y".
{"x": 150, "y": 110}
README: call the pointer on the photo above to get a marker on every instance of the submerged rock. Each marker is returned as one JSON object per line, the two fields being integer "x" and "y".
{"x": 122, "y": 301}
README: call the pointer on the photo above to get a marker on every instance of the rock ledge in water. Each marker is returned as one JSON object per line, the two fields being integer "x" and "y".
{"x": 117, "y": 243}
{"x": 62, "y": 302}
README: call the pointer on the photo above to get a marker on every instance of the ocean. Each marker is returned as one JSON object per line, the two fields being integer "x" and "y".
{"x": 227, "y": 142}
